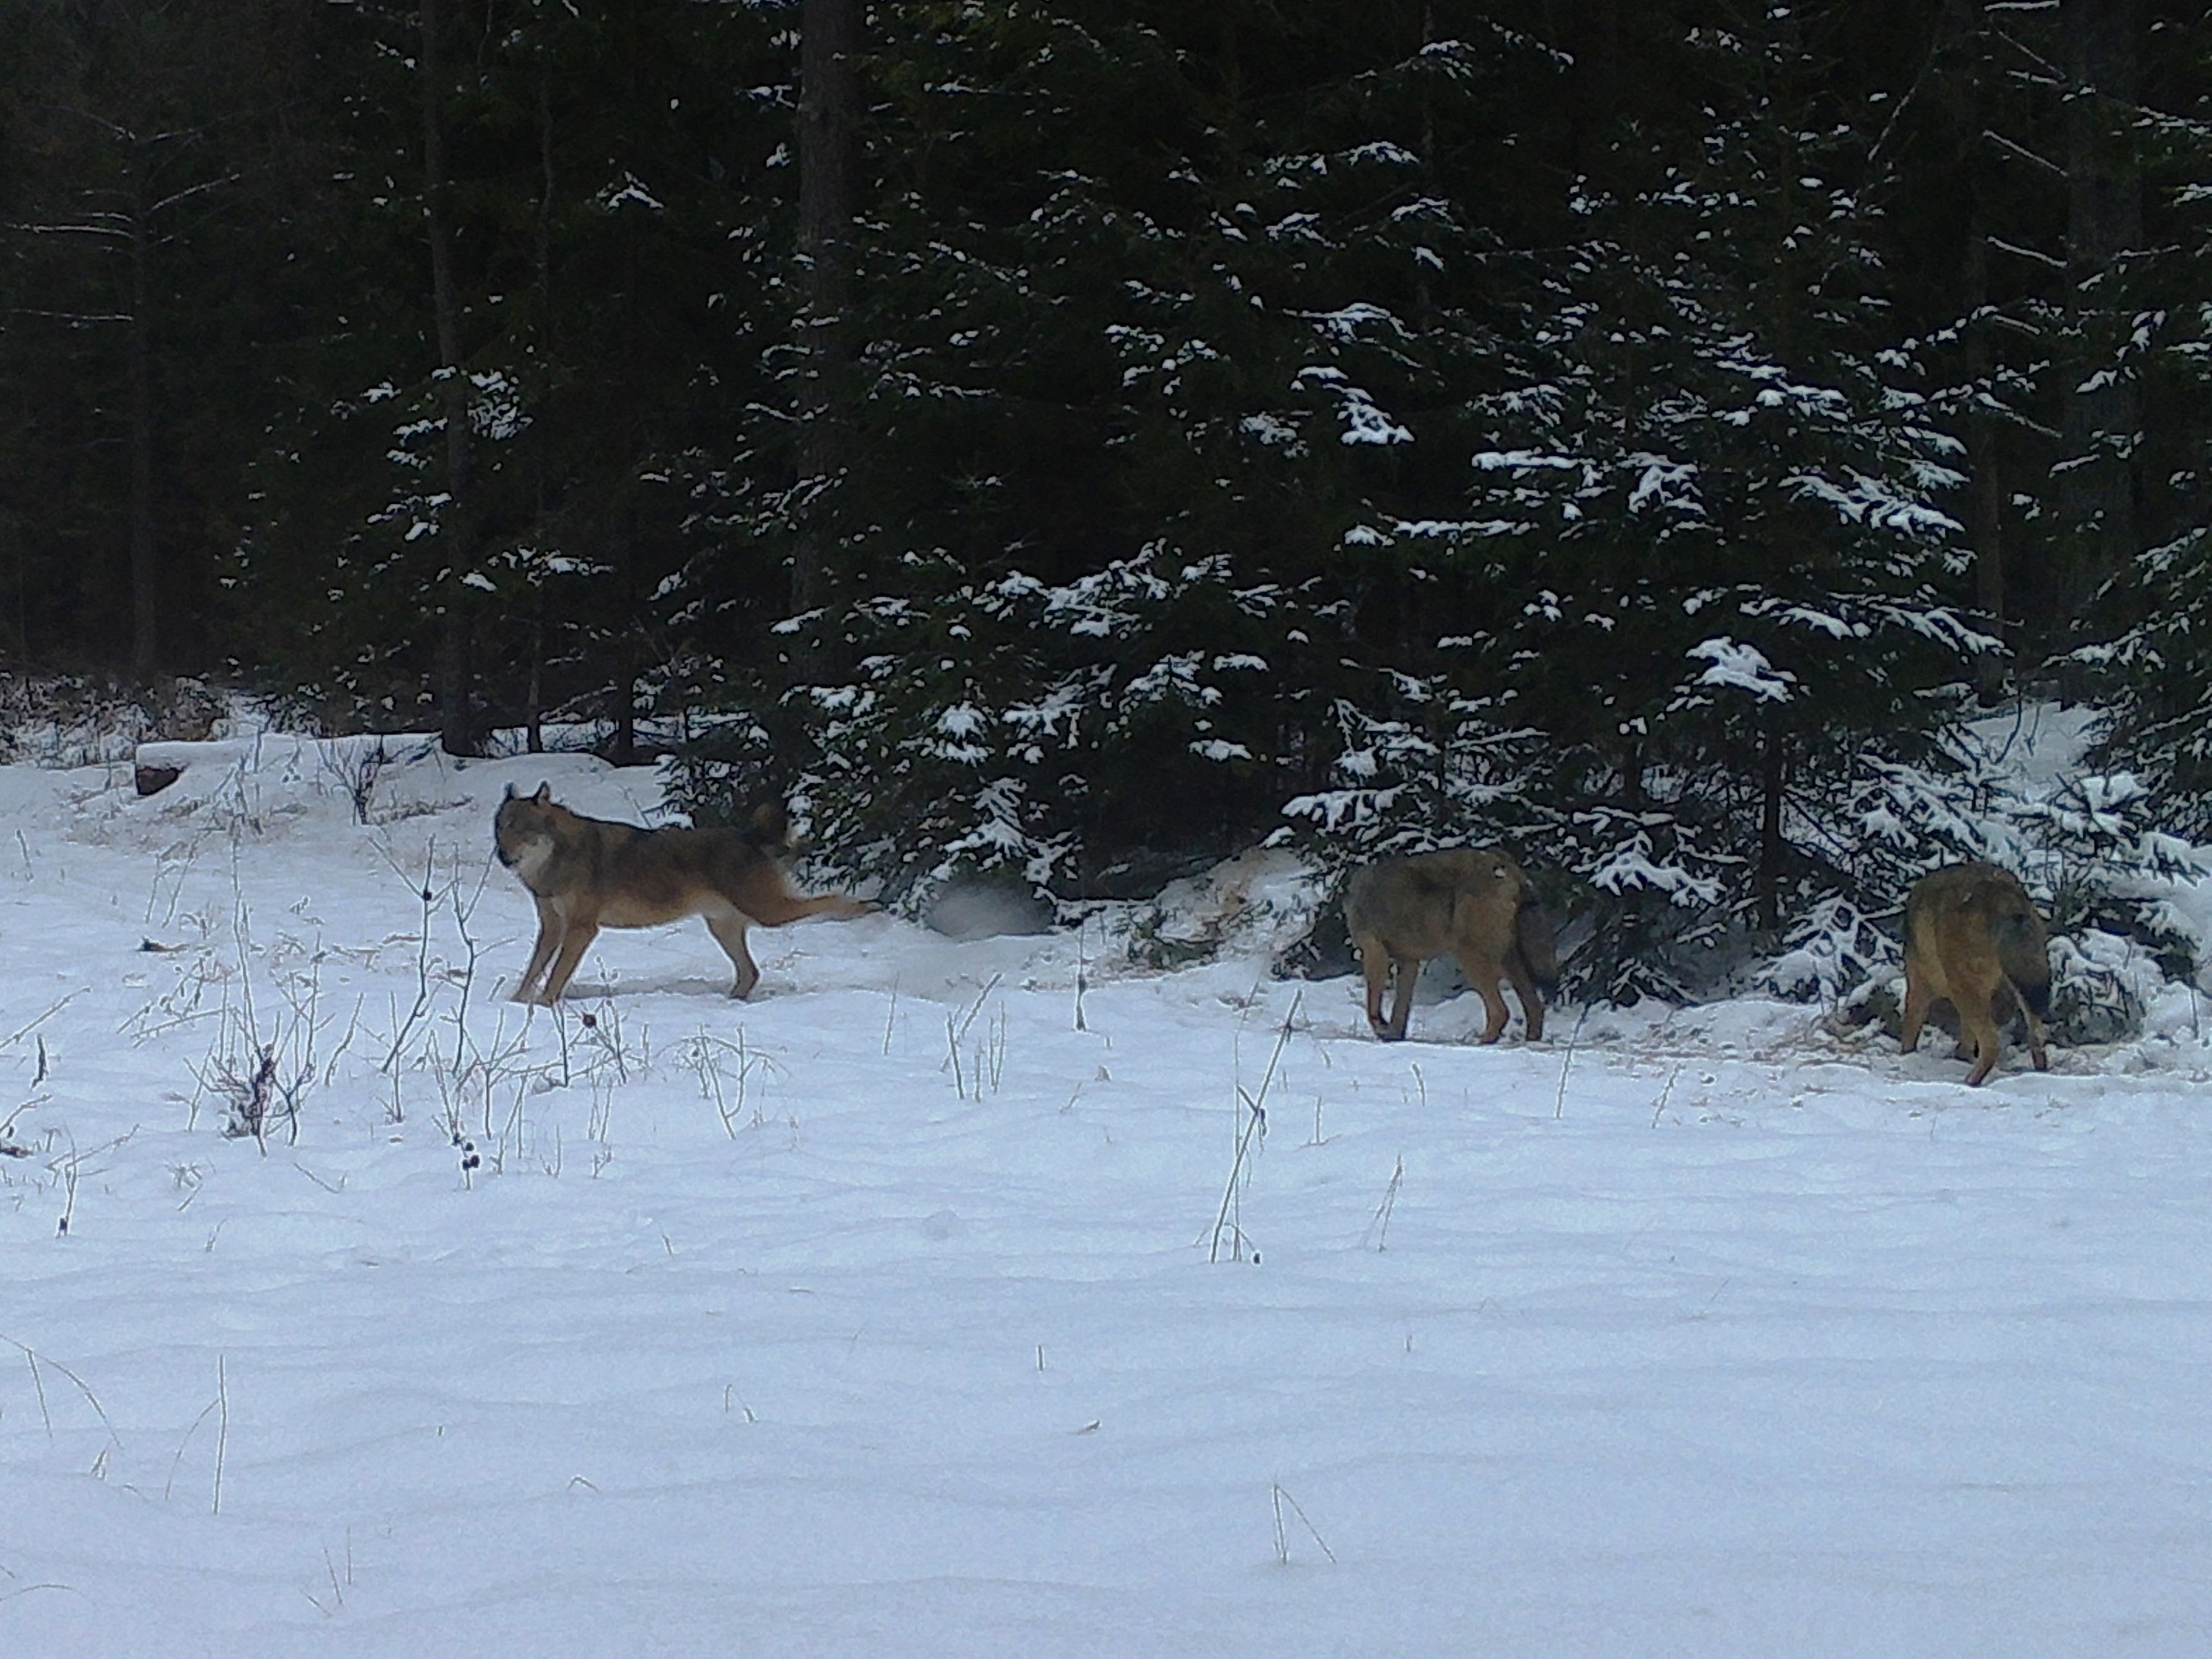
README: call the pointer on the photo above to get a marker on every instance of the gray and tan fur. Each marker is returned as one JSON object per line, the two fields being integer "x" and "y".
{"x": 1973, "y": 938}
{"x": 1473, "y": 904}
{"x": 589, "y": 873}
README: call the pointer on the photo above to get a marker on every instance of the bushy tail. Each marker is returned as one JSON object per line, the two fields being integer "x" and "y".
{"x": 2024, "y": 953}
{"x": 1532, "y": 931}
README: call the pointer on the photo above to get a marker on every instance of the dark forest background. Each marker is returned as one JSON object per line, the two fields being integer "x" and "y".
{"x": 1070, "y": 438}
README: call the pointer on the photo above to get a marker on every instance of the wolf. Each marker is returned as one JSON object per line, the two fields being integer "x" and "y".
{"x": 1473, "y": 903}
{"x": 1972, "y": 937}
{"x": 589, "y": 873}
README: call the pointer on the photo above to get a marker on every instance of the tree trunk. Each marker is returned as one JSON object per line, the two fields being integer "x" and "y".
{"x": 1963, "y": 62}
{"x": 1773, "y": 774}
{"x": 623, "y": 644}
{"x": 534, "y": 716}
{"x": 145, "y": 574}
{"x": 1593, "y": 94}
{"x": 460, "y": 727}
{"x": 829, "y": 134}
{"x": 2097, "y": 484}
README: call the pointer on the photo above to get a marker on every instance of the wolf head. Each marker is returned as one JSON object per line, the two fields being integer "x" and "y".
{"x": 769, "y": 827}
{"x": 522, "y": 829}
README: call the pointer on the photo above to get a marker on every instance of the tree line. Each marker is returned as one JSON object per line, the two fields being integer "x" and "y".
{"x": 1060, "y": 437}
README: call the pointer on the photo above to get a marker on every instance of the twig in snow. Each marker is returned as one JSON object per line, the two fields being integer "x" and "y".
{"x": 1251, "y": 1131}
{"x": 1081, "y": 970}
{"x": 18, "y": 1035}
{"x": 38, "y": 1388}
{"x": 1282, "y": 1534}
{"x": 222, "y": 1428}
{"x": 1559, "y": 1104}
{"x": 977, "y": 1007}
{"x": 1379, "y": 1228}
{"x": 69, "y": 1166}
{"x": 952, "y": 1053}
{"x": 177, "y": 1462}
{"x": 428, "y": 897}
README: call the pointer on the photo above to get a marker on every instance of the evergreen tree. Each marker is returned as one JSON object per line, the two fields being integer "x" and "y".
{"x": 138, "y": 283}
{"x": 607, "y": 318}
{"x": 2159, "y": 665}
{"x": 1707, "y": 523}
{"x": 1132, "y": 393}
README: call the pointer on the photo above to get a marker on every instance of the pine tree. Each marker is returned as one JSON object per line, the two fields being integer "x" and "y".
{"x": 606, "y": 321}
{"x": 1707, "y": 521}
{"x": 138, "y": 290}
{"x": 2159, "y": 667}
{"x": 1133, "y": 410}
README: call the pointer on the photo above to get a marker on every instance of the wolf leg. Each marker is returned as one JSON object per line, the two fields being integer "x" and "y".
{"x": 1982, "y": 1029}
{"x": 1532, "y": 1000}
{"x": 2036, "y": 1051}
{"x": 1375, "y": 969}
{"x": 1917, "y": 999}
{"x": 1495, "y": 1012}
{"x": 729, "y": 931}
{"x": 2006, "y": 998}
{"x": 1407, "y": 970}
{"x": 573, "y": 943}
{"x": 541, "y": 954}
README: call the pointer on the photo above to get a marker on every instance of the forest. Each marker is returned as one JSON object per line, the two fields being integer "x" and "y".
{"x": 1060, "y": 441}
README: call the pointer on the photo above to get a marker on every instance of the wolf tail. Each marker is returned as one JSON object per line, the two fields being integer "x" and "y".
{"x": 1532, "y": 931}
{"x": 2024, "y": 953}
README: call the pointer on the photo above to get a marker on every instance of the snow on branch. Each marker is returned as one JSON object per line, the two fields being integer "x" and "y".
{"x": 1742, "y": 667}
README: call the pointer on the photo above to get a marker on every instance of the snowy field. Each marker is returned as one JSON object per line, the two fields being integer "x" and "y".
{"x": 897, "y": 1313}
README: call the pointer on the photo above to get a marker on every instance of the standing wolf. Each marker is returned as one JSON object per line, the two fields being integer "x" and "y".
{"x": 1971, "y": 935}
{"x": 1471, "y": 903}
{"x": 589, "y": 873}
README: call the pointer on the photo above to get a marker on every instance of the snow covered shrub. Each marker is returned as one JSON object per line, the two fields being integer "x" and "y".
{"x": 1668, "y": 892}
{"x": 2100, "y": 983}
{"x": 252, "y": 1101}
{"x": 67, "y": 722}
{"x": 2162, "y": 721}
{"x": 1708, "y": 572}
{"x": 1045, "y": 731}
{"x": 1419, "y": 774}
{"x": 1831, "y": 950}
{"x": 2021, "y": 790}
{"x": 2014, "y": 790}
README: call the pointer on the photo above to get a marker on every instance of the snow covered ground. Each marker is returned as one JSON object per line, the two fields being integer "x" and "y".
{"x": 897, "y": 1313}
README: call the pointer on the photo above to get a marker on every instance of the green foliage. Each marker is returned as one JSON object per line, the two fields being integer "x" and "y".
{"x": 1703, "y": 539}
{"x": 1044, "y": 731}
{"x": 2162, "y": 670}
{"x": 2155, "y": 657}
{"x": 617, "y": 295}
{"x": 1585, "y": 427}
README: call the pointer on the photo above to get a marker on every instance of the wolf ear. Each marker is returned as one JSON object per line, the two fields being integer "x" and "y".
{"x": 510, "y": 795}
{"x": 544, "y": 794}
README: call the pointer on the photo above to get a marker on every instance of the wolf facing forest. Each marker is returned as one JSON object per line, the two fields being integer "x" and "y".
{"x": 1972, "y": 936}
{"x": 589, "y": 873}
{"x": 1473, "y": 904}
